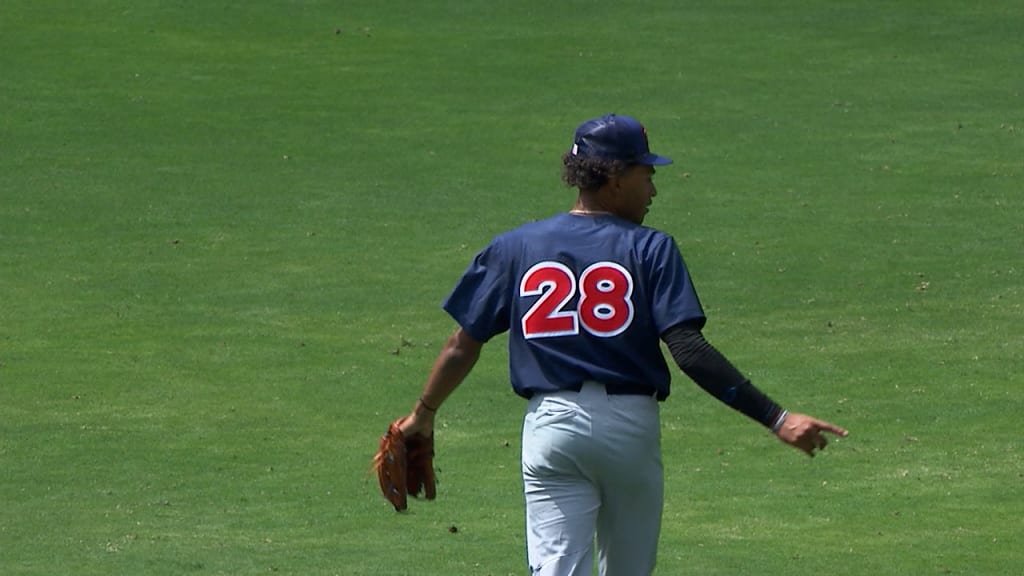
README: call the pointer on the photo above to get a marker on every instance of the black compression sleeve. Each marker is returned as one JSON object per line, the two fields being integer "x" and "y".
{"x": 706, "y": 366}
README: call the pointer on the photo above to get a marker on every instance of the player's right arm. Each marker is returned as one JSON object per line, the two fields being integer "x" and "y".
{"x": 706, "y": 366}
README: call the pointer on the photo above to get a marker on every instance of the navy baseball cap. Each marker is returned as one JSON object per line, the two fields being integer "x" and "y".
{"x": 614, "y": 137}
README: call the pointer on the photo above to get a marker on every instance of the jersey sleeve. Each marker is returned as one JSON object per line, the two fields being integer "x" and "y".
{"x": 673, "y": 297}
{"x": 480, "y": 300}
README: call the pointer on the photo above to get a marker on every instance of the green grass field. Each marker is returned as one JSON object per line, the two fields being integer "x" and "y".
{"x": 226, "y": 228}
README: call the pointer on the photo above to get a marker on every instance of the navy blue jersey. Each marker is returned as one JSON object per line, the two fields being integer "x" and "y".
{"x": 583, "y": 298}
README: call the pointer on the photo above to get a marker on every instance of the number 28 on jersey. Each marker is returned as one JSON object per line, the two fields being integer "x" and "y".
{"x": 605, "y": 306}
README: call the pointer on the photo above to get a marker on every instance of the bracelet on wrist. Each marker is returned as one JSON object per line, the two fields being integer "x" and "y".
{"x": 427, "y": 406}
{"x": 778, "y": 421}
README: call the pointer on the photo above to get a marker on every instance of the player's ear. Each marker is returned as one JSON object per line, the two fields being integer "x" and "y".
{"x": 618, "y": 177}
{"x": 615, "y": 181}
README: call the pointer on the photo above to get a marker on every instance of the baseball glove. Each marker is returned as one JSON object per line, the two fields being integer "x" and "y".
{"x": 405, "y": 466}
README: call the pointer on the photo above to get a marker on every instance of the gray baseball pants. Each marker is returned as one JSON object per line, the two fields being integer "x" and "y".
{"x": 592, "y": 469}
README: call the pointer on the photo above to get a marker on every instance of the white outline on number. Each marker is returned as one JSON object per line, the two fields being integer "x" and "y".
{"x": 545, "y": 290}
{"x": 601, "y": 310}
{"x": 609, "y": 311}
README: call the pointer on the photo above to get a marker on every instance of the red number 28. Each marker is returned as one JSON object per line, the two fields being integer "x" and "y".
{"x": 605, "y": 307}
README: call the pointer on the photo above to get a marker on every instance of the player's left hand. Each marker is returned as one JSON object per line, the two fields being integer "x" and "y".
{"x": 418, "y": 423}
{"x": 807, "y": 433}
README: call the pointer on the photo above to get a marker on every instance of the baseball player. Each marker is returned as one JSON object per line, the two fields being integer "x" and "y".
{"x": 587, "y": 297}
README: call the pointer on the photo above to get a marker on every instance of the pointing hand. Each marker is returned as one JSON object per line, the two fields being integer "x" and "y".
{"x": 807, "y": 433}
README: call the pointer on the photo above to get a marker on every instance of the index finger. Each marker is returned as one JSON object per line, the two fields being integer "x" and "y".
{"x": 830, "y": 427}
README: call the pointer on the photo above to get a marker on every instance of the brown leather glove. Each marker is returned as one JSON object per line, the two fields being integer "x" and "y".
{"x": 405, "y": 466}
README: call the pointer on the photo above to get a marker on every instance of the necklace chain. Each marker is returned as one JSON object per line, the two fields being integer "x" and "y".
{"x": 589, "y": 212}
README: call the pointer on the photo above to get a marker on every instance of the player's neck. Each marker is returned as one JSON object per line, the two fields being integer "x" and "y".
{"x": 584, "y": 207}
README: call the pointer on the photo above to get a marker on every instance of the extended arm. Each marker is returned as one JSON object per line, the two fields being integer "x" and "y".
{"x": 706, "y": 366}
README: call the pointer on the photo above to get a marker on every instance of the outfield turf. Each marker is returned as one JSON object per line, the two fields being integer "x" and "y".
{"x": 226, "y": 228}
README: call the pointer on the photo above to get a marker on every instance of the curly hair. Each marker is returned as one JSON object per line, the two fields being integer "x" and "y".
{"x": 589, "y": 173}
